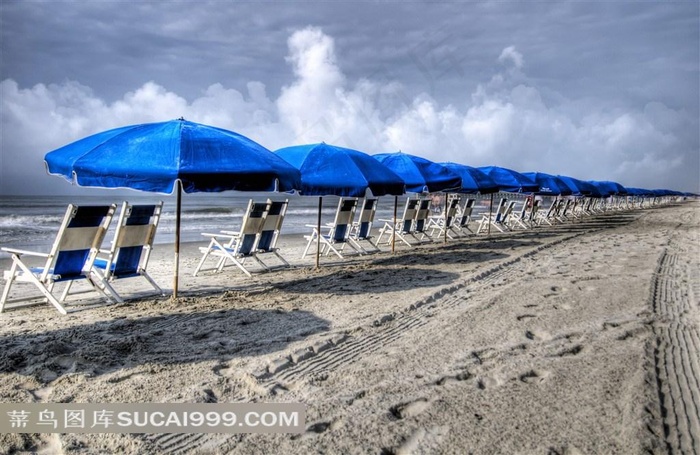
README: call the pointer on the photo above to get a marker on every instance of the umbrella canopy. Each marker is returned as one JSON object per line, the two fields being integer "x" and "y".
{"x": 421, "y": 175}
{"x": 339, "y": 171}
{"x": 638, "y": 191}
{"x": 174, "y": 155}
{"x": 473, "y": 179}
{"x": 154, "y": 156}
{"x": 550, "y": 185}
{"x": 580, "y": 187}
{"x": 609, "y": 188}
{"x": 509, "y": 180}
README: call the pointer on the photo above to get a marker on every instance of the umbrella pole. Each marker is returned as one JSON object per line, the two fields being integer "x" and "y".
{"x": 490, "y": 214}
{"x": 178, "y": 207}
{"x": 393, "y": 232}
{"x": 318, "y": 232}
{"x": 447, "y": 200}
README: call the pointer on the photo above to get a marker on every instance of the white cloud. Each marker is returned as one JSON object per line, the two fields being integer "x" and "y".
{"x": 507, "y": 123}
{"x": 509, "y": 54}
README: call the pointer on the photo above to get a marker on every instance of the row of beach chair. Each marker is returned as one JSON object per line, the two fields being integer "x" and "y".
{"x": 417, "y": 224}
{"x": 258, "y": 235}
{"x": 344, "y": 230}
{"x": 77, "y": 253}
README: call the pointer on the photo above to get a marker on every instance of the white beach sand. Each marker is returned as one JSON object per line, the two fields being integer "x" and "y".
{"x": 582, "y": 338}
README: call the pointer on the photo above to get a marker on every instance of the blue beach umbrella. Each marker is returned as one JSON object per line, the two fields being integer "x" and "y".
{"x": 550, "y": 185}
{"x": 611, "y": 188}
{"x": 509, "y": 180}
{"x": 580, "y": 187}
{"x": 420, "y": 174}
{"x": 329, "y": 170}
{"x": 473, "y": 179}
{"x": 172, "y": 156}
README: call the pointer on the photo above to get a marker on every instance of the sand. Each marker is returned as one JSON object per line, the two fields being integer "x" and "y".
{"x": 582, "y": 338}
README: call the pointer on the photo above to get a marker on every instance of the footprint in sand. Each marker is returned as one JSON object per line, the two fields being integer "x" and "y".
{"x": 488, "y": 382}
{"x": 410, "y": 409}
{"x": 418, "y": 439}
{"x": 574, "y": 350}
{"x": 319, "y": 427}
{"x": 537, "y": 335}
{"x": 454, "y": 378}
{"x": 533, "y": 376}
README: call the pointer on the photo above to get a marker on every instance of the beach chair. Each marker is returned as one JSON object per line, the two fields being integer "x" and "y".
{"x": 236, "y": 246}
{"x": 496, "y": 219}
{"x": 362, "y": 228}
{"x": 269, "y": 234}
{"x": 532, "y": 216}
{"x": 589, "y": 206}
{"x": 420, "y": 225}
{"x": 465, "y": 217}
{"x": 70, "y": 259}
{"x": 338, "y": 231}
{"x": 562, "y": 215}
{"x": 519, "y": 218}
{"x": 548, "y": 216}
{"x": 404, "y": 225}
{"x": 131, "y": 248}
{"x": 441, "y": 225}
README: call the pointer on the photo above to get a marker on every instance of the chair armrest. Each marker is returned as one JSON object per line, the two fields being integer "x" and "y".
{"x": 220, "y": 235}
{"x": 21, "y": 252}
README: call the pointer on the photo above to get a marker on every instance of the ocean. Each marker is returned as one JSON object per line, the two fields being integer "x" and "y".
{"x": 31, "y": 222}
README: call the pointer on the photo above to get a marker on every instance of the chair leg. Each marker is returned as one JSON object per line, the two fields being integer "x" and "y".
{"x": 66, "y": 290}
{"x": 387, "y": 227}
{"x": 311, "y": 238}
{"x": 42, "y": 288}
{"x": 152, "y": 281}
{"x": 102, "y": 285}
{"x": 8, "y": 285}
{"x": 327, "y": 248}
{"x": 201, "y": 262}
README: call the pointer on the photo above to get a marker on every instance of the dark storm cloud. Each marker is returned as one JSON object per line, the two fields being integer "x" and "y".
{"x": 608, "y": 89}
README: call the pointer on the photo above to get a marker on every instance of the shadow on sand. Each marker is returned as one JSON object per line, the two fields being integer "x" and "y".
{"x": 106, "y": 346}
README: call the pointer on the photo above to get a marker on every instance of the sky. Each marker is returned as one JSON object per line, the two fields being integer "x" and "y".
{"x": 597, "y": 90}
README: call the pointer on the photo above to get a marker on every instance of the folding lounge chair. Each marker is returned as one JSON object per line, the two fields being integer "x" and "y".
{"x": 466, "y": 216}
{"x": 237, "y": 246}
{"x": 420, "y": 226}
{"x": 362, "y": 228}
{"x": 548, "y": 216}
{"x": 271, "y": 230}
{"x": 496, "y": 219}
{"x": 577, "y": 208}
{"x": 519, "y": 218}
{"x": 70, "y": 259}
{"x": 562, "y": 214}
{"x": 532, "y": 215}
{"x": 445, "y": 223}
{"x": 132, "y": 245}
{"x": 338, "y": 232}
{"x": 404, "y": 225}
{"x": 504, "y": 223}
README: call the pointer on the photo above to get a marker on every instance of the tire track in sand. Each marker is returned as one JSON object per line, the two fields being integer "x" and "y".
{"x": 677, "y": 353}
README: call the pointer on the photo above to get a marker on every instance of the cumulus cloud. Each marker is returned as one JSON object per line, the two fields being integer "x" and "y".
{"x": 509, "y": 54}
{"x": 508, "y": 122}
